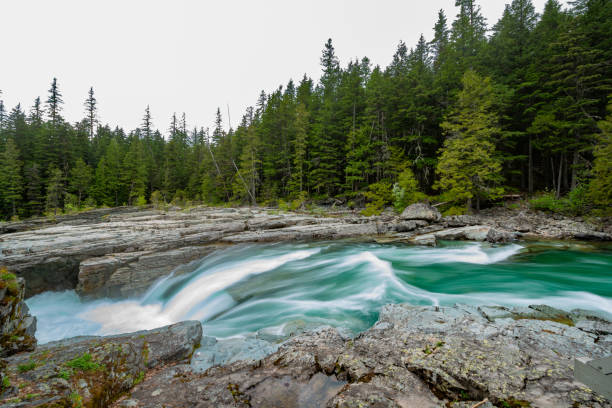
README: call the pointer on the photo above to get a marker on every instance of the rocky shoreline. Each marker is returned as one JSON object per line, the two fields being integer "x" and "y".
{"x": 412, "y": 357}
{"x": 461, "y": 356}
{"x": 121, "y": 252}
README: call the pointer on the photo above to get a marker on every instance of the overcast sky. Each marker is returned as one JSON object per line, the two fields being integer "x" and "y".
{"x": 194, "y": 55}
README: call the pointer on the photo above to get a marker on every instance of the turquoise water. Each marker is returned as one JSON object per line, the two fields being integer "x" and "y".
{"x": 279, "y": 288}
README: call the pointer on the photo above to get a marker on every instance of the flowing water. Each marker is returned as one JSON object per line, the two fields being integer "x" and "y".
{"x": 279, "y": 288}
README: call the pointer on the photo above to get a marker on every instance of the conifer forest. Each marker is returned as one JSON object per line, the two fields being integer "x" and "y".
{"x": 474, "y": 114}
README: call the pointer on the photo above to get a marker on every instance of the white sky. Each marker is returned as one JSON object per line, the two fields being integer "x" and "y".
{"x": 194, "y": 55}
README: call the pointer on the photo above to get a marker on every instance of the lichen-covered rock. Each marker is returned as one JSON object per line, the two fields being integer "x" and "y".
{"x": 17, "y": 326}
{"x": 421, "y": 211}
{"x": 412, "y": 357}
{"x": 94, "y": 371}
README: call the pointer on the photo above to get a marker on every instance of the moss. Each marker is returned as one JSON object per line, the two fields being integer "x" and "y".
{"x": 29, "y": 366}
{"x": 9, "y": 281}
{"x": 566, "y": 320}
{"x": 6, "y": 382}
{"x": 77, "y": 400}
{"x": 139, "y": 378}
{"x": 514, "y": 403}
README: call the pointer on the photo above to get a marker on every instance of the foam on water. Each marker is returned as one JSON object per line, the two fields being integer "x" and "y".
{"x": 279, "y": 288}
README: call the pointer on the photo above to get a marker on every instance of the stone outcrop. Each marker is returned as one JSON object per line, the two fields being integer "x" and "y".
{"x": 17, "y": 326}
{"x": 421, "y": 211}
{"x": 93, "y": 371}
{"x": 412, "y": 357}
{"x": 120, "y": 253}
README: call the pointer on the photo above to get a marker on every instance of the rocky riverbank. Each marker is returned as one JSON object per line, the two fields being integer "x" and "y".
{"x": 121, "y": 252}
{"x": 412, "y": 357}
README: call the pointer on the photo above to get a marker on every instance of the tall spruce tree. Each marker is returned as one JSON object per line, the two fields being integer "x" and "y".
{"x": 468, "y": 167}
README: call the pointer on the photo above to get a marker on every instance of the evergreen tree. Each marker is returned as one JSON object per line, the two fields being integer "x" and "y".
{"x": 11, "y": 183}
{"x": 91, "y": 110}
{"x": 80, "y": 179}
{"x": 34, "y": 199}
{"x": 468, "y": 166}
{"x": 55, "y": 190}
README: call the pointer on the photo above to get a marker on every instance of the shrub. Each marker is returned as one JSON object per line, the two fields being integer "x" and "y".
{"x": 299, "y": 202}
{"x": 379, "y": 196}
{"x": 140, "y": 201}
{"x": 282, "y": 205}
{"x": 157, "y": 199}
{"x": 576, "y": 202}
{"x": 406, "y": 191}
{"x": 455, "y": 211}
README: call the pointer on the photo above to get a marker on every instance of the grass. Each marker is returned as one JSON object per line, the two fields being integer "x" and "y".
{"x": 84, "y": 362}
{"x": 29, "y": 366}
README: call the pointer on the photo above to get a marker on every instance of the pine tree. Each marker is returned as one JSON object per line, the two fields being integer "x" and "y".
{"x": 54, "y": 103}
{"x": 11, "y": 183}
{"x": 600, "y": 188}
{"x": 91, "y": 110}
{"x": 80, "y": 179}
{"x": 34, "y": 199}
{"x": 468, "y": 166}
{"x": 55, "y": 190}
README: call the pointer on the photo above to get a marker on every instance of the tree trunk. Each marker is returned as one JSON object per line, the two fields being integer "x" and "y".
{"x": 558, "y": 193}
{"x": 469, "y": 206}
{"x": 552, "y": 169}
{"x": 574, "y": 175}
{"x": 530, "y": 168}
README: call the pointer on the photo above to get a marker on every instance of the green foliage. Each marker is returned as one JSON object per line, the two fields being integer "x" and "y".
{"x": 454, "y": 210}
{"x": 29, "y": 366}
{"x": 468, "y": 167}
{"x": 6, "y": 382}
{"x": 600, "y": 188}
{"x": 379, "y": 195}
{"x": 65, "y": 374}
{"x": 84, "y": 362}
{"x": 576, "y": 202}
{"x": 141, "y": 201}
{"x": 532, "y": 126}
{"x": 9, "y": 280}
{"x": 406, "y": 191}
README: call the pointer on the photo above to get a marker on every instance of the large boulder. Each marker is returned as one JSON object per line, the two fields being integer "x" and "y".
{"x": 421, "y": 211}
{"x": 94, "y": 371}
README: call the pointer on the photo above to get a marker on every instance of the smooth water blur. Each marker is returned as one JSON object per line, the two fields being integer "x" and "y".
{"x": 279, "y": 288}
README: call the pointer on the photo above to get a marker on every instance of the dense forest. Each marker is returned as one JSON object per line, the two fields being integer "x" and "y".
{"x": 469, "y": 116}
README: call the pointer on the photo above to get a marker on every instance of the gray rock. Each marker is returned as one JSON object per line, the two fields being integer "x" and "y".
{"x": 17, "y": 326}
{"x": 412, "y": 357}
{"x": 500, "y": 236}
{"x": 421, "y": 211}
{"x": 471, "y": 233}
{"x": 98, "y": 369}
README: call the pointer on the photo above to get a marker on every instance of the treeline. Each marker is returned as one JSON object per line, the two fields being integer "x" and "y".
{"x": 470, "y": 115}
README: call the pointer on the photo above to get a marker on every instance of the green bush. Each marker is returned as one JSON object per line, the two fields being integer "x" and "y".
{"x": 379, "y": 196}
{"x": 576, "y": 202}
{"x": 455, "y": 211}
{"x": 406, "y": 191}
{"x": 140, "y": 201}
{"x": 299, "y": 202}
